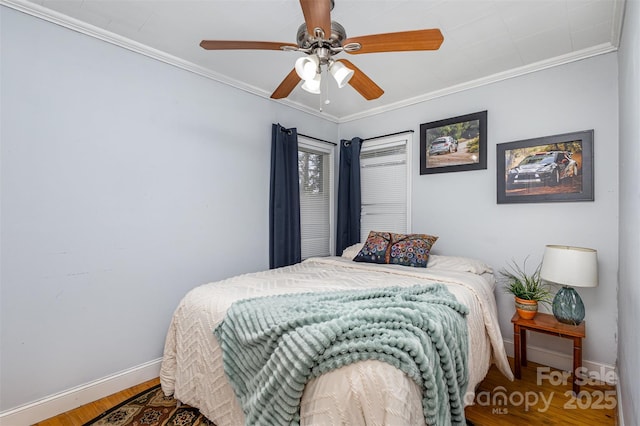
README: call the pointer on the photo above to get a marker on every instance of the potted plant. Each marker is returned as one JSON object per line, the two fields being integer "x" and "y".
{"x": 529, "y": 290}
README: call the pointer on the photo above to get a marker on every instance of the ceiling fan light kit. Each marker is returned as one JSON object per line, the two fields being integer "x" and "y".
{"x": 312, "y": 85}
{"x": 320, "y": 50}
{"x": 341, "y": 73}
{"x": 307, "y": 67}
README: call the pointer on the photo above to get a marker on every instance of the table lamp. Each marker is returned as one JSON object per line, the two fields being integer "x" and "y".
{"x": 569, "y": 267}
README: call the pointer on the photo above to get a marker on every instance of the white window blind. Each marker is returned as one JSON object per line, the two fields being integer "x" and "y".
{"x": 315, "y": 170}
{"x": 385, "y": 179}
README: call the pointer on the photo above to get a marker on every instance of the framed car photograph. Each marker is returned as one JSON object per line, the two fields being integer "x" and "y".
{"x": 549, "y": 169}
{"x": 454, "y": 144}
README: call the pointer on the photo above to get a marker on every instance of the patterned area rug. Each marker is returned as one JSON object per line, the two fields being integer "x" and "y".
{"x": 151, "y": 408}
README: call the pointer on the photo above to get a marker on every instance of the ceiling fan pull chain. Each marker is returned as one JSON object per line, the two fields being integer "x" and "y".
{"x": 320, "y": 99}
{"x": 325, "y": 93}
{"x": 326, "y": 87}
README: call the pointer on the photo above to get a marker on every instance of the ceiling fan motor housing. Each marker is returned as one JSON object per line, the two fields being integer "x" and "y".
{"x": 307, "y": 41}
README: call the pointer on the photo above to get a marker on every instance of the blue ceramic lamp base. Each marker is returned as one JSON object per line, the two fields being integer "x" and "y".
{"x": 568, "y": 307}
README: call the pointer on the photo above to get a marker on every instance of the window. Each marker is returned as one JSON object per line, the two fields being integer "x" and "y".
{"x": 315, "y": 171}
{"x": 385, "y": 179}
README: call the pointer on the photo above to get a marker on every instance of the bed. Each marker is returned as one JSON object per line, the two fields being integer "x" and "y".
{"x": 368, "y": 392}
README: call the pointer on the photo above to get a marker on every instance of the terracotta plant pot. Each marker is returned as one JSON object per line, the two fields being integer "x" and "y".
{"x": 527, "y": 309}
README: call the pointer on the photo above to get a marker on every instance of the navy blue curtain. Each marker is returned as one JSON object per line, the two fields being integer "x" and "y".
{"x": 284, "y": 199}
{"x": 348, "y": 224}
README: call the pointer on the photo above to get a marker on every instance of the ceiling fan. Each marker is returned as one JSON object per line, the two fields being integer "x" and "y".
{"x": 321, "y": 39}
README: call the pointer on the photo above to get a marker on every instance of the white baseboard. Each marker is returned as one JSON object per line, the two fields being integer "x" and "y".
{"x": 564, "y": 362}
{"x": 75, "y": 397}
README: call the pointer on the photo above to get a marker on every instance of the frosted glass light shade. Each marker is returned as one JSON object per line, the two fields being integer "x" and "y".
{"x": 307, "y": 67}
{"x": 570, "y": 266}
{"x": 341, "y": 74}
{"x": 312, "y": 85}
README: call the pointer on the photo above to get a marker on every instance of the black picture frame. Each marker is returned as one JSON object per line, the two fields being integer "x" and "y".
{"x": 463, "y": 144}
{"x": 556, "y": 168}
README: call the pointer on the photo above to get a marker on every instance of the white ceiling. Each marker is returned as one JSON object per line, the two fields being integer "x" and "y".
{"x": 484, "y": 41}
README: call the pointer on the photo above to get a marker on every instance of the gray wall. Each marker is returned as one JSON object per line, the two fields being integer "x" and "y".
{"x": 629, "y": 291}
{"x": 461, "y": 207}
{"x": 125, "y": 182}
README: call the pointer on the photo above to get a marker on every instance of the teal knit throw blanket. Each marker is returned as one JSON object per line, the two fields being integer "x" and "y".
{"x": 273, "y": 345}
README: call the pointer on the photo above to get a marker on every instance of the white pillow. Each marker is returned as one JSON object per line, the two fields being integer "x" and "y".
{"x": 456, "y": 263}
{"x": 351, "y": 251}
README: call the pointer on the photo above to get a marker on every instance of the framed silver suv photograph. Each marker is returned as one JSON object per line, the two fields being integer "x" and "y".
{"x": 454, "y": 144}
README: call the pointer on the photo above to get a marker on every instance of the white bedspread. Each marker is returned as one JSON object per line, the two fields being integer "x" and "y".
{"x": 364, "y": 393}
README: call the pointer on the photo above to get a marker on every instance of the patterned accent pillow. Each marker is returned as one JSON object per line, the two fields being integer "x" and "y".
{"x": 398, "y": 249}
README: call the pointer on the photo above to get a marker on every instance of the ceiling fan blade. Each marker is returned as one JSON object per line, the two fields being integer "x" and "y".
{"x": 239, "y": 44}
{"x": 403, "y": 41}
{"x": 317, "y": 14}
{"x": 363, "y": 84}
{"x": 288, "y": 84}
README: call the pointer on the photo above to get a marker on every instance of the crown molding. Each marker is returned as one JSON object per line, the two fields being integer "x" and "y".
{"x": 41, "y": 12}
{"x": 618, "y": 19}
{"x": 494, "y": 78}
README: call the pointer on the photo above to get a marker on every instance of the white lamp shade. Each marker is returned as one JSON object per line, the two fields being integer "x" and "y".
{"x": 312, "y": 85}
{"x": 341, "y": 74}
{"x": 570, "y": 266}
{"x": 307, "y": 67}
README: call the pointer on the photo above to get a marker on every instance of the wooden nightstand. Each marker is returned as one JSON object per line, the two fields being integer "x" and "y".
{"x": 548, "y": 324}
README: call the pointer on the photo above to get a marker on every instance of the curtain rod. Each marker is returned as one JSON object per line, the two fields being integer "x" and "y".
{"x": 367, "y": 139}
{"x": 317, "y": 139}
{"x": 389, "y": 134}
{"x": 288, "y": 131}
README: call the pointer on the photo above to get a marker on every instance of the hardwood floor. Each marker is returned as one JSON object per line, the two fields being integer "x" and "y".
{"x": 499, "y": 402}
{"x": 92, "y": 410}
